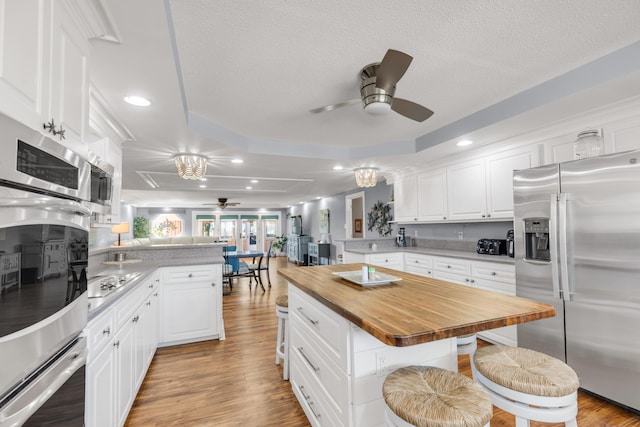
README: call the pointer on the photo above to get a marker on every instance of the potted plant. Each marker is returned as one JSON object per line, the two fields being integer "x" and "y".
{"x": 140, "y": 227}
{"x": 278, "y": 244}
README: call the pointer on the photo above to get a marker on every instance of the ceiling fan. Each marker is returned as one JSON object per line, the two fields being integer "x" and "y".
{"x": 223, "y": 203}
{"x": 378, "y": 86}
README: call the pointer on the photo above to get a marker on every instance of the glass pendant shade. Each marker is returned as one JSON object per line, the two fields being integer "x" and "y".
{"x": 191, "y": 166}
{"x": 366, "y": 177}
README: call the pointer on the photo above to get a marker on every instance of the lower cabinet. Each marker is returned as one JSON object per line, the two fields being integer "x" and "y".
{"x": 191, "y": 304}
{"x": 337, "y": 369}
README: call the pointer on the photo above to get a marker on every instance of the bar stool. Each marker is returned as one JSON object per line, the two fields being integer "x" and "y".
{"x": 425, "y": 396}
{"x": 467, "y": 344}
{"x": 528, "y": 384}
{"x": 282, "y": 346}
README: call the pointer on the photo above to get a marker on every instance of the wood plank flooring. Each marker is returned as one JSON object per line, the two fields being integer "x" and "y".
{"x": 236, "y": 382}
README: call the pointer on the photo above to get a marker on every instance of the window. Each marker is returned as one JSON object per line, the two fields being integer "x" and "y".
{"x": 167, "y": 225}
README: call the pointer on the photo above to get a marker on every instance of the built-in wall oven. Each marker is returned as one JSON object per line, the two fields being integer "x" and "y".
{"x": 43, "y": 279}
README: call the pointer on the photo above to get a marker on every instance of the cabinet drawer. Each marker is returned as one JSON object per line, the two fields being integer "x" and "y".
{"x": 313, "y": 249}
{"x": 312, "y": 397}
{"x": 494, "y": 271}
{"x": 452, "y": 265}
{"x": 322, "y": 325}
{"x": 100, "y": 331}
{"x": 188, "y": 274}
{"x": 452, "y": 277}
{"x": 418, "y": 260}
{"x": 129, "y": 304}
{"x": 386, "y": 260}
{"x": 318, "y": 364}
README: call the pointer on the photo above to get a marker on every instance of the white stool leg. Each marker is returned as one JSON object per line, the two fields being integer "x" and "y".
{"x": 522, "y": 422}
{"x": 279, "y": 339}
{"x": 285, "y": 369}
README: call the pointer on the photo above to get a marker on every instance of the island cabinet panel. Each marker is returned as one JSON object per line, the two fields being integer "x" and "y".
{"x": 337, "y": 369}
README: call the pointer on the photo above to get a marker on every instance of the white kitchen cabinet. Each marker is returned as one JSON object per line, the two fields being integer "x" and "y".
{"x": 622, "y": 135}
{"x": 419, "y": 264}
{"x": 45, "y": 68}
{"x": 191, "y": 304}
{"x": 452, "y": 270}
{"x": 120, "y": 352}
{"x": 24, "y": 47}
{"x": 405, "y": 190}
{"x": 432, "y": 195}
{"x": 501, "y": 278}
{"x": 466, "y": 190}
{"x": 394, "y": 260}
{"x": 110, "y": 152}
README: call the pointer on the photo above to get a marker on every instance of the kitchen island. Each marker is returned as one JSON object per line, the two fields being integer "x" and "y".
{"x": 345, "y": 338}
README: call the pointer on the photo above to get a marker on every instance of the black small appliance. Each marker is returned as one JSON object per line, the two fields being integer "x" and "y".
{"x": 510, "y": 244}
{"x": 492, "y": 246}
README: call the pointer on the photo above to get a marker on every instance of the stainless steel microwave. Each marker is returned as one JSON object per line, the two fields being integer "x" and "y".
{"x": 101, "y": 182}
{"x": 34, "y": 160}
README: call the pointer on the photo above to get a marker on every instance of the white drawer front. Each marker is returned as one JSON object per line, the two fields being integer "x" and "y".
{"x": 452, "y": 277}
{"x": 452, "y": 265}
{"x": 314, "y": 361}
{"x": 418, "y": 260}
{"x": 494, "y": 271}
{"x": 312, "y": 397}
{"x": 330, "y": 329}
{"x": 130, "y": 303}
{"x": 100, "y": 331}
{"x": 188, "y": 273}
{"x": 389, "y": 260}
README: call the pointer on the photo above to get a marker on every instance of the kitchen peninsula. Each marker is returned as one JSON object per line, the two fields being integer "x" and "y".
{"x": 345, "y": 338}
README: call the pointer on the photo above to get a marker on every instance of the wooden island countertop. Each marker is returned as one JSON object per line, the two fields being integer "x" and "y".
{"x": 415, "y": 309}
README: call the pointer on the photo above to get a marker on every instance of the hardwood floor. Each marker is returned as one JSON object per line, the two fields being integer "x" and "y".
{"x": 236, "y": 382}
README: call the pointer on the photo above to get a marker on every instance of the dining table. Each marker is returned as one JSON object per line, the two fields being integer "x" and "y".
{"x": 240, "y": 268}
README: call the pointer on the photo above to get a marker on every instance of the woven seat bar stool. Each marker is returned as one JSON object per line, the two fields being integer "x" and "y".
{"x": 467, "y": 344}
{"x": 425, "y": 396}
{"x": 282, "y": 345}
{"x": 528, "y": 384}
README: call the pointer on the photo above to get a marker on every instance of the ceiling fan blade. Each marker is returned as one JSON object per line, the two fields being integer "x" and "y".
{"x": 334, "y": 106}
{"x": 391, "y": 69}
{"x": 411, "y": 110}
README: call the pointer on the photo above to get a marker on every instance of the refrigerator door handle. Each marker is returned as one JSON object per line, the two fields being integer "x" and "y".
{"x": 553, "y": 246}
{"x": 562, "y": 247}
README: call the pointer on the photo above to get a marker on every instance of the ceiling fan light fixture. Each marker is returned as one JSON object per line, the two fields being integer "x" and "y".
{"x": 191, "y": 166}
{"x": 377, "y": 108}
{"x": 366, "y": 176}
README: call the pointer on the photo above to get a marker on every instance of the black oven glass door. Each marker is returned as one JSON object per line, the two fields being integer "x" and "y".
{"x": 43, "y": 280}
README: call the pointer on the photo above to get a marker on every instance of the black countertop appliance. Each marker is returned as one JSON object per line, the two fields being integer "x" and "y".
{"x": 510, "y": 244}
{"x": 492, "y": 246}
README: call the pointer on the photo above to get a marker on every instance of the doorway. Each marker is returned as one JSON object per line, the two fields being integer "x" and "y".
{"x": 355, "y": 218}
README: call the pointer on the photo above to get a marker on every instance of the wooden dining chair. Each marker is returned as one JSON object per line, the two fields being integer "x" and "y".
{"x": 258, "y": 267}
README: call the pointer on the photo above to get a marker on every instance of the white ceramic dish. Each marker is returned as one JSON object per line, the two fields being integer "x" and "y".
{"x": 356, "y": 277}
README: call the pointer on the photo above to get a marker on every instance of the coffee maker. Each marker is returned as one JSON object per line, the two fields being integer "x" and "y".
{"x": 400, "y": 238}
{"x": 510, "y": 244}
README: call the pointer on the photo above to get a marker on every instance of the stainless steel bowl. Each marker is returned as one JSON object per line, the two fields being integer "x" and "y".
{"x": 120, "y": 256}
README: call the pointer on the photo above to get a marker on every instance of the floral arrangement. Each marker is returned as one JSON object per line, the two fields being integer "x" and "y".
{"x": 379, "y": 217}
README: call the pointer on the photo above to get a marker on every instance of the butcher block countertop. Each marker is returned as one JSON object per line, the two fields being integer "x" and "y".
{"x": 416, "y": 309}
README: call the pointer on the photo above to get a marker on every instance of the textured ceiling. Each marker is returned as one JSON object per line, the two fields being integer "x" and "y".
{"x": 242, "y": 75}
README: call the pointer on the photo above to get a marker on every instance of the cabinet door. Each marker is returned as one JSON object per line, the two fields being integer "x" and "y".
{"x": 24, "y": 60}
{"x": 125, "y": 370}
{"x": 432, "y": 196}
{"x": 188, "y": 311}
{"x": 101, "y": 397}
{"x": 467, "y": 192}
{"x": 405, "y": 191}
{"x": 559, "y": 149}
{"x": 622, "y": 135}
{"x": 500, "y": 180}
{"x": 69, "y": 83}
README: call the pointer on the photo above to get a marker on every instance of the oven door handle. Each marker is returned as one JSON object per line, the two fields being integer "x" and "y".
{"x": 36, "y": 391}
{"x": 48, "y": 203}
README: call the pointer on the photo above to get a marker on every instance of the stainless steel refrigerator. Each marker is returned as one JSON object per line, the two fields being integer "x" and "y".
{"x": 577, "y": 237}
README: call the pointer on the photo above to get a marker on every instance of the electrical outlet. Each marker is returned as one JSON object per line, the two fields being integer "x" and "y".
{"x": 460, "y": 235}
{"x": 381, "y": 362}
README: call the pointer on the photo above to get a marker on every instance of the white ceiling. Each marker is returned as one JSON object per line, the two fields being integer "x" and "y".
{"x": 236, "y": 78}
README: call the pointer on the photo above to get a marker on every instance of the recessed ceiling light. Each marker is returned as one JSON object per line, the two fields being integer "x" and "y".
{"x": 237, "y": 161}
{"x": 464, "y": 143}
{"x": 254, "y": 181}
{"x": 203, "y": 179}
{"x": 338, "y": 168}
{"x": 319, "y": 197}
{"x": 138, "y": 101}
{"x": 249, "y": 187}
{"x": 203, "y": 186}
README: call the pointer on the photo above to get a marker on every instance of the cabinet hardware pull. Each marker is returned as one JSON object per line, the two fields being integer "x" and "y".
{"x": 135, "y": 319}
{"x": 448, "y": 266}
{"x": 155, "y": 295}
{"x": 150, "y": 285}
{"x": 213, "y": 284}
{"x": 116, "y": 344}
{"x": 417, "y": 261}
{"x": 466, "y": 280}
{"x": 483, "y": 215}
{"x": 493, "y": 273}
{"x": 306, "y": 397}
{"x": 304, "y": 356}
{"x": 148, "y": 302}
{"x": 314, "y": 322}
{"x": 315, "y": 414}
{"x": 190, "y": 275}
{"x": 106, "y": 331}
{"x": 444, "y": 217}
{"x": 473, "y": 281}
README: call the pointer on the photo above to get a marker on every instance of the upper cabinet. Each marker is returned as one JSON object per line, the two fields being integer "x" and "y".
{"x": 45, "y": 64}
{"x": 475, "y": 190}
